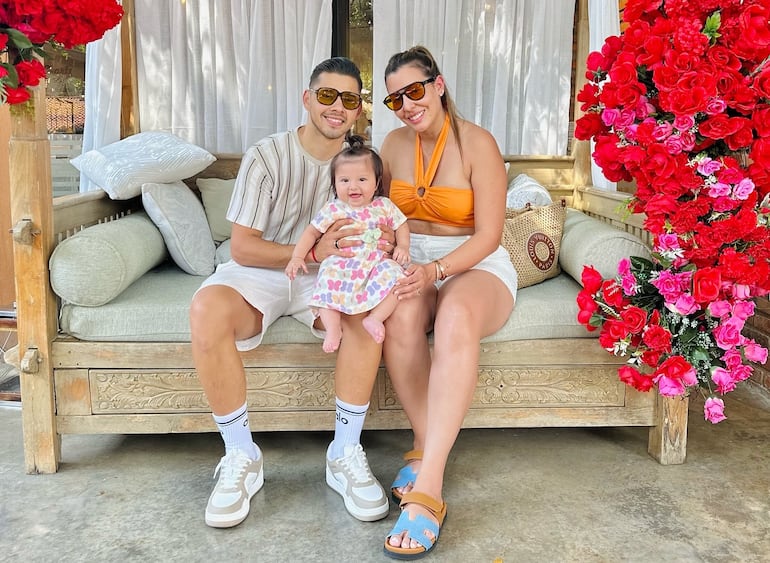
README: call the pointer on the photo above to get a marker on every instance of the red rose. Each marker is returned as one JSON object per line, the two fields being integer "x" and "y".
{"x": 633, "y": 377}
{"x": 657, "y": 338}
{"x": 30, "y": 72}
{"x": 760, "y": 118}
{"x": 588, "y": 126}
{"x": 3, "y": 41}
{"x": 16, "y": 95}
{"x": 706, "y": 284}
{"x": 591, "y": 279}
{"x": 761, "y": 83}
{"x": 677, "y": 367}
{"x": 617, "y": 330}
{"x": 743, "y": 136}
{"x": 718, "y": 126}
{"x": 635, "y": 318}
{"x": 612, "y": 294}
{"x": 651, "y": 357}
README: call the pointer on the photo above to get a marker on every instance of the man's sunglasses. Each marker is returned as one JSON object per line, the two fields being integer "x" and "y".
{"x": 414, "y": 91}
{"x": 327, "y": 96}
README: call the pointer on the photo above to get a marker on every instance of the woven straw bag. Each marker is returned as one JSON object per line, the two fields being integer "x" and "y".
{"x": 532, "y": 237}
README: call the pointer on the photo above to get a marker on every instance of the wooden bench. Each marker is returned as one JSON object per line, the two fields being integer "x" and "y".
{"x": 71, "y": 386}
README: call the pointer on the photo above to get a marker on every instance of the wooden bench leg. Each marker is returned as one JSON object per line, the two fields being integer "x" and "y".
{"x": 668, "y": 438}
{"x": 42, "y": 444}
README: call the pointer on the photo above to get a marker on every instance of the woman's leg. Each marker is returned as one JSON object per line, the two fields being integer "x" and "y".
{"x": 373, "y": 323}
{"x": 407, "y": 358}
{"x": 470, "y": 306}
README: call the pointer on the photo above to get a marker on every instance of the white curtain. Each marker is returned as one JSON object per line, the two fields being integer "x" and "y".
{"x": 507, "y": 64}
{"x": 224, "y": 73}
{"x": 102, "y": 96}
{"x": 603, "y": 21}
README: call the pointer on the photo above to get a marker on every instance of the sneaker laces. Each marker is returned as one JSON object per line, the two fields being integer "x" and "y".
{"x": 230, "y": 468}
{"x": 357, "y": 465}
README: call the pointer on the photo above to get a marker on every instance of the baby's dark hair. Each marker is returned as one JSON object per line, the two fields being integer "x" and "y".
{"x": 357, "y": 147}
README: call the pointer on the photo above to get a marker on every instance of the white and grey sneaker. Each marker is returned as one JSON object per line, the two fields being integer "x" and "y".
{"x": 351, "y": 477}
{"x": 240, "y": 477}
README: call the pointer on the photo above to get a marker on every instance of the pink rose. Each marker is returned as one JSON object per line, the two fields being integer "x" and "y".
{"x": 719, "y": 308}
{"x": 728, "y": 334}
{"x": 669, "y": 387}
{"x": 742, "y": 372}
{"x": 741, "y": 291}
{"x": 743, "y": 309}
{"x": 708, "y": 166}
{"x": 714, "y": 410}
{"x": 610, "y": 116}
{"x": 732, "y": 358}
{"x": 723, "y": 380}
{"x": 744, "y": 189}
{"x": 719, "y": 190}
{"x": 755, "y": 353}
{"x": 685, "y": 304}
{"x": 668, "y": 241}
{"x": 684, "y": 122}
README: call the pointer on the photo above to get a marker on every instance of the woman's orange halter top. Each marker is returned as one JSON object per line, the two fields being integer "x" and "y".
{"x": 435, "y": 204}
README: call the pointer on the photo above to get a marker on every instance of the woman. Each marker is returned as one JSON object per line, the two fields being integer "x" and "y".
{"x": 461, "y": 283}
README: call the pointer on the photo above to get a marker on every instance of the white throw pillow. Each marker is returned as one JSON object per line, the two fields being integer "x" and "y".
{"x": 122, "y": 167}
{"x": 525, "y": 190}
{"x": 216, "y": 194}
{"x": 179, "y": 216}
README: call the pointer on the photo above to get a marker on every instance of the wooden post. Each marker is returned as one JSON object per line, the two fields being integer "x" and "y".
{"x": 31, "y": 216}
{"x": 7, "y": 291}
{"x": 129, "y": 105}
{"x": 668, "y": 438}
{"x": 581, "y": 150}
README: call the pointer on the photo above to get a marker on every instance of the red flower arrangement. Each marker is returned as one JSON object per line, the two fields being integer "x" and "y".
{"x": 26, "y": 25}
{"x": 680, "y": 103}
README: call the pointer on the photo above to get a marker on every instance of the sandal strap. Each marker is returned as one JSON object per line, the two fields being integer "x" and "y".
{"x": 436, "y": 508}
{"x": 416, "y": 529}
{"x": 413, "y": 455}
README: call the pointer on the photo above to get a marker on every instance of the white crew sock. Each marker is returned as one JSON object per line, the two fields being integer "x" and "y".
{"x": 347, "y": 430}
{"x": 235, "y": 431}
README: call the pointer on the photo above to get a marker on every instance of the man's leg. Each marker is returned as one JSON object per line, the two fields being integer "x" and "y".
{"x": 218, "y": 317}
{"x": 347, "y": 469}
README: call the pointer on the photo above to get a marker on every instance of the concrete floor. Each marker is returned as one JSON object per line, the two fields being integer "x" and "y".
{"x": 583, "y": 495}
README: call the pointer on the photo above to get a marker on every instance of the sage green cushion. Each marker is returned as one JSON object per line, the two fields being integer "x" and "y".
{"x": 588, "y": 241}
{"x": 156, "y": 308}
{"x": 94, "y": 266}
{"x": 215, "y": 195}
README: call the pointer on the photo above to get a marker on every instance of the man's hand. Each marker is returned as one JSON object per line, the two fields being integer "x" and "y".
{"x": 333, "y": 241}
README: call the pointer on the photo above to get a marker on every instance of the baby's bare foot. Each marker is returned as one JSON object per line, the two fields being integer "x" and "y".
{"x": 332, "y": 341}
{"x": 375, "y": 328}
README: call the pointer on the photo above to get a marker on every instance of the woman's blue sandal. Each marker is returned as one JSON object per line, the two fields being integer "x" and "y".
{"x": 416, "y": 527}
{"x": 407, "y": 475}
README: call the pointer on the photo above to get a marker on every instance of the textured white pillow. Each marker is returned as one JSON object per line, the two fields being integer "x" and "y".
{"x": 523, "y": 190}
{"x": 216, "y": 194}
{"x": 179, "y": 216}
{"x": 94, "y": 266}
{"x": 122, "y": 167}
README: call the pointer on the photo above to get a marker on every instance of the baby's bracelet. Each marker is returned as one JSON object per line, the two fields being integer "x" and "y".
{"x": 312, "y": 254}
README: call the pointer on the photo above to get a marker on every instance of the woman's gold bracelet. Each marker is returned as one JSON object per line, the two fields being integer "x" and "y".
{"x": 440, "y": 270}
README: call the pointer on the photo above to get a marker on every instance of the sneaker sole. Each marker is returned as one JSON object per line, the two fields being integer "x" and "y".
{"x": 235, "y": 518}
{"x": 363, "y": 514}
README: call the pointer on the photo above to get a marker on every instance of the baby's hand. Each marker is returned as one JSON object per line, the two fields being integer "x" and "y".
{"x": 295, "y": 265}
{"x": 401, "y": 256}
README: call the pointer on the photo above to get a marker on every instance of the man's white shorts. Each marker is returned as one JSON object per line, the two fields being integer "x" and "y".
{"x": 269, "y": 291}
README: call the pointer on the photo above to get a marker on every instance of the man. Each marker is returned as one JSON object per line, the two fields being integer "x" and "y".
{"x": 283, "y": 180}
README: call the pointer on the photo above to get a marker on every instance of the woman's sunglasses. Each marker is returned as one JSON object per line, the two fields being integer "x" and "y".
{"x": 414, "y": 91}
{"x": 327, "y": 96}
